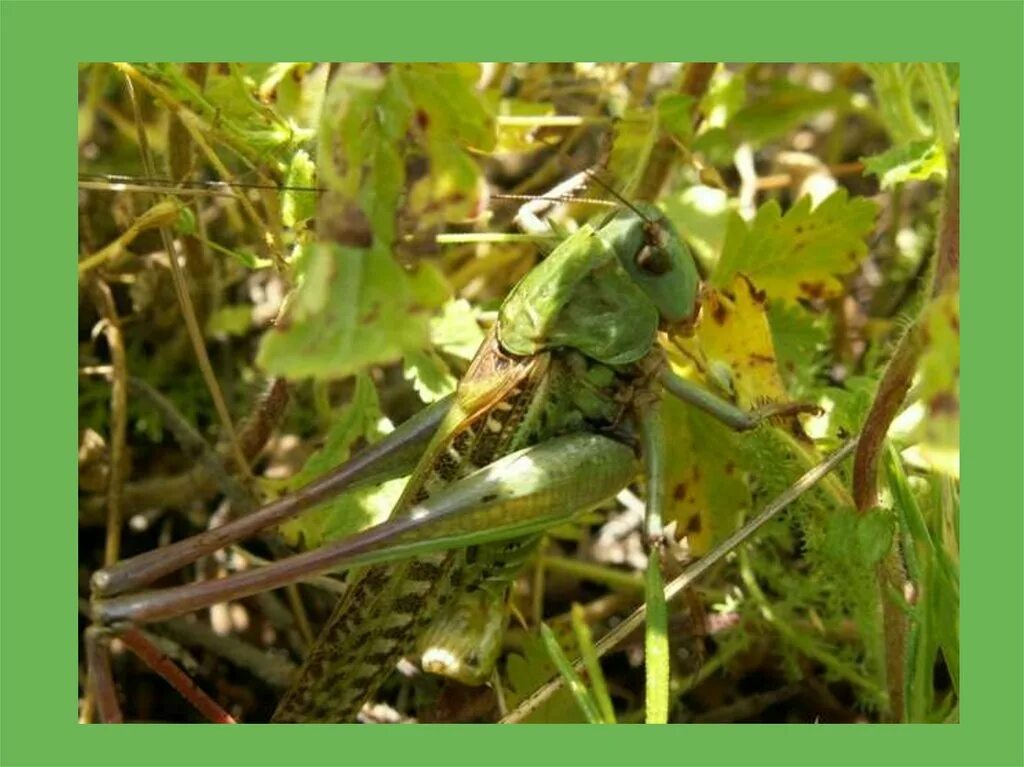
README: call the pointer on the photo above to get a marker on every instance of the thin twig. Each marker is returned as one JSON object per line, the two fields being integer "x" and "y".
{"x": 118, "y": 416}
{"x": 272, "y": 668}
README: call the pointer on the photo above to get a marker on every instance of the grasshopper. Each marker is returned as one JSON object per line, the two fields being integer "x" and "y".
{"x": 557, "y": 413}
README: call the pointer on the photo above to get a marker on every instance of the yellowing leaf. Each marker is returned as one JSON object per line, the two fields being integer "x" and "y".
{"x": 704, "y": 487}
{"x": 799, "y": 254}
{"x": 734, "y": 344}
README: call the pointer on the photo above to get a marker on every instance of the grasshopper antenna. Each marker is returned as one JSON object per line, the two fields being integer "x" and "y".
{"x": 117, "y": 183}
{"x": 608, "y": 188}
{"x": 556, "y": 198}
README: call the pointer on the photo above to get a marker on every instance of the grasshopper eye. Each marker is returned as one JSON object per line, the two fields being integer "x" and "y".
{"x": 653, "y": 260}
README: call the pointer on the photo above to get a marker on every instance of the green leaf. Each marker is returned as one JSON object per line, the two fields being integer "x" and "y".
{"x": 453, "y": 108}
{"x": 656, "y": 663}
{"x": 429, "y": 375}
{"x": 726, "y": 96}
{"x": 232, "y": 320}
{"x": 354, "y": 308}
{"x": 365, "y": 118}
{"x": 801, "y": 340}
{"x": 785, "y": 106}
{"x": 701, "y": 214}
{"x": 591, "y": 662}
{"x": 449, "y": 116}
{"x": 874, "y": 535}
{"x": 360, "y": 419}
{"x": 298, "y": 205}
{"x": 528, "y": 671}
{"x": 799, "y": 254}
{"x": 634, "y": 137}
{"x": 456, "y": 331}
{"x": 917, "y": 161}
{"x": 675, "y": 115}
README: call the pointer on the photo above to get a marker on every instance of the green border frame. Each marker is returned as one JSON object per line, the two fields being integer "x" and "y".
{"x": 41, "y": 43}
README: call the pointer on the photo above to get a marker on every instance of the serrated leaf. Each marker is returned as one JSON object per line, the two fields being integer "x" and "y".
{"x": 453, "y": 108}
{"x": 363, "y": 125}
{"x": 917, "y": 161}
{"x": 354, "y": 308}
{"x": 456, "y": 331}
{"x": 360, "y": 419}
{"x": 429, "y": 375}
{"x": 799, "y": 254}
{"x": 449, "y": 117}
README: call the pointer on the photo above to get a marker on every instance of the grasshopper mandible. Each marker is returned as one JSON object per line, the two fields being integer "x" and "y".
{"x": 557, "y": 413}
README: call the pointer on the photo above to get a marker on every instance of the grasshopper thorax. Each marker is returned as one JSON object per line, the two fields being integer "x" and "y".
{"x": 603, "y": 291}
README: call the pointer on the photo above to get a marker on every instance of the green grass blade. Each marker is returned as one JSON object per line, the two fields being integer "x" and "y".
{"x": 583, "y": 696}
{"x": 656, "y": 663}
{"x": 592, "y": 664}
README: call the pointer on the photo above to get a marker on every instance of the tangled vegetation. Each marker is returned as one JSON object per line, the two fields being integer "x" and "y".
{"x": 239, "y": 339}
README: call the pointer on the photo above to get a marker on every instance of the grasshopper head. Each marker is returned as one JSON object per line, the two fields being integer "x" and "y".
{"x": 657, "y": 260}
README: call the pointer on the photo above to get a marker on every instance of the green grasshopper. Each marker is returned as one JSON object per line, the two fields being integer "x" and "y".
{"x": 557, "y": 413}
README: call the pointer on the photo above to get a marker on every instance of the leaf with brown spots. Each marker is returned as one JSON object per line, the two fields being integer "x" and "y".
{"x": 733, "y": 344}
{"x": 800, "y": 254}
{"x": 704, "y": 489}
